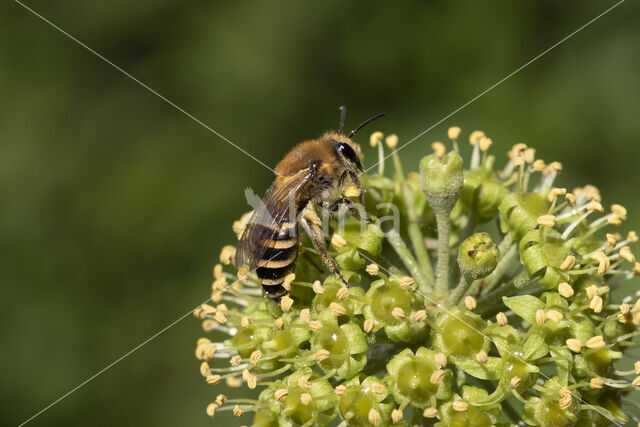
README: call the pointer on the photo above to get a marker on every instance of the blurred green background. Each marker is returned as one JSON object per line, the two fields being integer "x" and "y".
{"x": 115, "y": 205}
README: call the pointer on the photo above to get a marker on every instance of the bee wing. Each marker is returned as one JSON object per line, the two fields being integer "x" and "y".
{"x": 275, "y": 206}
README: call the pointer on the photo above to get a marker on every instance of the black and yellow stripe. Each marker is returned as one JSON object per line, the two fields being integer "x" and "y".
{"x": 278, "y": 260}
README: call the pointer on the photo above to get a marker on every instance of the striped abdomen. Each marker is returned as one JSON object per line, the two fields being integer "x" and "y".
{"x": 278, "y": 260}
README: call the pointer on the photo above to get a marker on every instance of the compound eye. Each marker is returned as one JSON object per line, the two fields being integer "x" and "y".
{"x": 348, "y": 152}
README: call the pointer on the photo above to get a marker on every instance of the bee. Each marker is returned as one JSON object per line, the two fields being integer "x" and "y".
{"x": 313, "y": 174}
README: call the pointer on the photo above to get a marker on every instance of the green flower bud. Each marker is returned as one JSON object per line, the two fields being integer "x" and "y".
{"x": 296, "y": 409}
{"x": 441, "y": 180}
{"x": 412, "y": 378}
{"x": 478, "y": 256}
{"x": 458, "y": 333}
{"x": 483, "y": 191}
{"x": 474, "y": 415}
{"x": 359, "y": 399}
{"x": 519, "y": 212}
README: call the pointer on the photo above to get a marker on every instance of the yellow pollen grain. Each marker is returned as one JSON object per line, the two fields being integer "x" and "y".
{"x": 286, "y": 303}
{"x": 252, "y": 382}
{"x": 376, "y": 138}
{"x": 221, "y": 317}
{"x": 342, "y": 293}
{"x": 565, "y": 398}
{"x": 484, "y": 144}
{"x": 430, "y": 412}
{"x": 337, "y": 309}
{"x": 482, "y": 356}
{"x": 315, "y": 325}
{"x": 626, "y": 254}
{"x": 554, "y": 315}
{"x": 614, "y": 219}
{"x": 420, "y": 315}
{"x": 304, "y": 383}
{"x": 207, "y": 309}
{"x": 288, "y": 280}
{"x": 530, "y": 155}
{"x": 378, "y": 388}
{"x": 539, "y": 165}
{"x": 211, "y": 409}
{"x": 460, "y": 406}
{"x": 596, "y": 383}
{"x": 372, "y": 269}
{"x": 398, "y": 313}
{"x": 341, "y": 390}
{"x": 437, "y": 377}
{"x": 555, "y": 193}
{"x": 368, "y": 325}
{"x": 632, "y": 236}
{"x": 438, "y": 148}
{"x": 595, "y": 206}
{"x": 221, "y": 399}
{"x": 318, "y": 288}
{"x": 235, "y": 360}
{"x": 515, "y": 381}
{"x": 624, "y": 308}
{"x": 217, "y": 271}
{"x": 636, "y": 269}
{"x": 596, "y": 304}
{"x": 546, "y": 220}
{"x": 322, "y": 354}
{"x": 281, "y": 394}
{"x": 619, "y": 210}
{"x": 305, "y": 315}
{"x": 213, "y": 379}
{"x": 233, "y": 382}
{"x": 596, "y": 342}
{"x": 352, "y": 191}
{"x": 243, "y": 274}
{"x": 475, "y": 136}
{"x": 636, "y": 367}
{"x": 209, "y": 325}
{"x": 568, "y": 262}
{"x": 255, "y": 357}
{"x": 518, "y": 161}
{"x": 453, "y": 132}
{"x": 574, "y": 345}
{"x": 441, "y": 360}
{"x": 636, "y": 382}
{"x": 391, "y": 141}
{"x": 518, "y": 148}
{"x": 571, "y": 199}
{"x": 205, "y": 370}
{"x": 374, "y": 417}
{"x": 470, "y": 302}
{"x": 245, "y": 321}
{"x": 565, "y": 290}
{"x": 603, "y": 261}
{"x": 227, "y": 254}
{"x": 236, "y": 286}
{"x": 338, "y": 241}
{"x": 237, "y": 412}
{"x": 592, "y": 291}
{"x": 278, "y": 323}
{"x": 541, "y": 317}
{"x": 396, "y": 416}
{"x": 612, "y": 240}
{"x": 406, "y": 282}
{"x": 501, "y": 318}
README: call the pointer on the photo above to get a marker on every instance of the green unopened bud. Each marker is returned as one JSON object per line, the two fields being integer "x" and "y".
{"x": 478, "y": 256}
{"x": 442, "y": 179}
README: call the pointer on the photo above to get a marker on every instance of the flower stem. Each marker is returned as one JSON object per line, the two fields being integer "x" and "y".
{"x": 407, "y": 258}
{"x": 460, "y": 290}
{"x": 417, "y": 238}
{"x": 442, "y": 269}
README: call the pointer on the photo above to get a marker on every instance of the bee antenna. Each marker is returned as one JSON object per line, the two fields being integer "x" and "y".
{"x": 343, "y": 115}
{"x": 366, "y": 122}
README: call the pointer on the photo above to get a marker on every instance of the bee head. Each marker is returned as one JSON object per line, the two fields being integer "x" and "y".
{"x": 346, "y": 148}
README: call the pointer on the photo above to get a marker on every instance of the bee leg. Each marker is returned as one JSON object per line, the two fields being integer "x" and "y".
{"x": 313, "y": 227}
{"x": 349, "y": 207}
